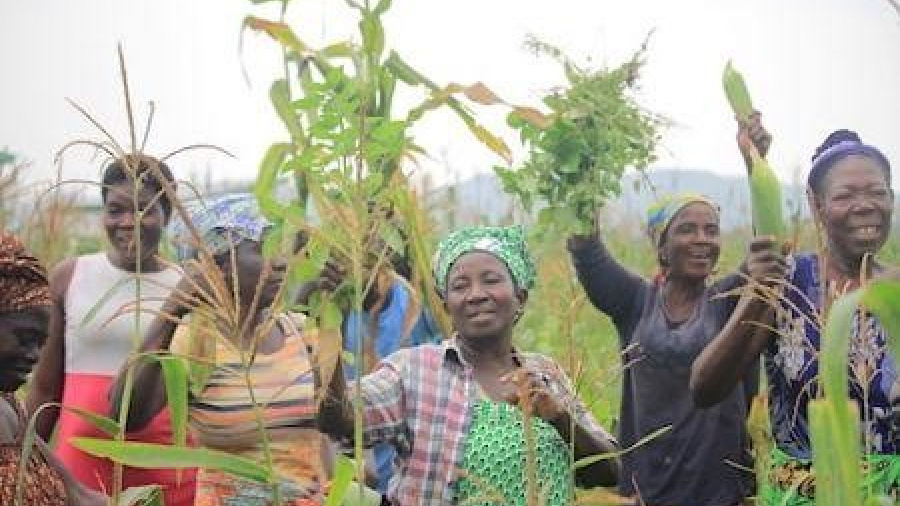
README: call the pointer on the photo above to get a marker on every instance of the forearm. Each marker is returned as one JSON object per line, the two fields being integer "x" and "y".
{"x": 725, "y": 361}
{"x": 146, "y": 377}
{"x": 610, "y": 287}
{"x": 47, "y": 418}
{"x": 588, "y": 443}
{"x": 335, "y": 415}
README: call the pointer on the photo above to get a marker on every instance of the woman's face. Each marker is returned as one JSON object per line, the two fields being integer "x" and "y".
{"x": 691, "y": 246}
{"x": 855, "y": 207}
{"x": 482, "y": 299}
{"x": 251, "y": 267}
{"x": 22, "y": 333}
{"x": 120, "y": 219}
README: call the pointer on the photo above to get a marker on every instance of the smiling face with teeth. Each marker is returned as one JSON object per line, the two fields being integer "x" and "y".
{"x": 854, "y": 206}
{"x": 690, "y": 245}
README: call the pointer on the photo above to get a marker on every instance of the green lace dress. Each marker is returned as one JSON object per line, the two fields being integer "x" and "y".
{"x": 494, "y": 460}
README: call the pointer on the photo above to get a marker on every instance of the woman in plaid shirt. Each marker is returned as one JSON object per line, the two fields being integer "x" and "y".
{"x": 458, "y": 412}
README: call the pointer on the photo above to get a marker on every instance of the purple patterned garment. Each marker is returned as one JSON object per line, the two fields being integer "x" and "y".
{"x": 792, "y": 368}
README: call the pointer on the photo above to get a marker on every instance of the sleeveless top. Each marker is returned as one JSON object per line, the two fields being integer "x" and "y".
{"x": 101, "y": 329}
{"x": 41, "y": 486}
{"x": 225, "y": 416}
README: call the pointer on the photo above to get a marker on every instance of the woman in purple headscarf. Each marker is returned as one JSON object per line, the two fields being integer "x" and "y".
{"x": 849, "y": 190}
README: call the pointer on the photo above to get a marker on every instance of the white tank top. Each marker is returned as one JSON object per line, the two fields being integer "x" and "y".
{"x": 97, "y": 343}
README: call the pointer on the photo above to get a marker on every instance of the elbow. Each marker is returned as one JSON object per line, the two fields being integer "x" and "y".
{"x": 605, "y": 473}
{"x": 704, "y": 391}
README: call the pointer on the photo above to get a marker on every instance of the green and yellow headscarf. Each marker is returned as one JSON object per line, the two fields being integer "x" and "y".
{"x": 505, "y": 243}
{"x": 660, "y": 214}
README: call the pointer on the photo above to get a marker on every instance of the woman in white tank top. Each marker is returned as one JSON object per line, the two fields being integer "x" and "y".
{"x": 102, "y": 303}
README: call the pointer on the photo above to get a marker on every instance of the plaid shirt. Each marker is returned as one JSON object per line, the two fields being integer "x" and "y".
{"x": 420, "y": 400}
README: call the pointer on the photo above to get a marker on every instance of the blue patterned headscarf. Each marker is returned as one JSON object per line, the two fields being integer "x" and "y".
{"x": 505, "y": 243}
{"x": 222, "y": 223}
{"x": 660, "y": 214}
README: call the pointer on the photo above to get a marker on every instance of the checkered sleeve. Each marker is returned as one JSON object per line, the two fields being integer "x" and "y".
{"x": 384, "y": 403}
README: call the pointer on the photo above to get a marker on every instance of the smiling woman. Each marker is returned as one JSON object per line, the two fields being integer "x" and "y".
{"x": 663, "y": 326}
{"x": 850, "y": 194}
{"x": 456, "y": 412}
{"x": 93, "y": 332}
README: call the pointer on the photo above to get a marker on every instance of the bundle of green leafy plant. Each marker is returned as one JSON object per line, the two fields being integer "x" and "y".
{"x": 579, "y": 152}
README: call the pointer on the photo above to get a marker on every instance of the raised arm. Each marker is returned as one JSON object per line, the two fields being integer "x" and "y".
{"x": 49, "y": 374}
{"x": 730, "y": 355}
{"x": 610, "y": 287}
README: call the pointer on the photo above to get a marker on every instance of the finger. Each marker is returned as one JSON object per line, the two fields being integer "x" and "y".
{"x": 762, "y": 243}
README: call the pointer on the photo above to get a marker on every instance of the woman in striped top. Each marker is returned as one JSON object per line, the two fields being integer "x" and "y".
{"x": 253, "y": 367}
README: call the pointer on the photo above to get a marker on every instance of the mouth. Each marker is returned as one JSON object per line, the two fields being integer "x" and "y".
{"x": 866, "y": 232}
{"x": 478, "y": 316}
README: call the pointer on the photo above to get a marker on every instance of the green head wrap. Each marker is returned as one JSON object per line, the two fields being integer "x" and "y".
{"x": 505, "y": 243}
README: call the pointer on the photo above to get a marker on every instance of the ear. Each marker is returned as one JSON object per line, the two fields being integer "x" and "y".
{"x": 522, "y": 296}
{"x": 816, "y": 206}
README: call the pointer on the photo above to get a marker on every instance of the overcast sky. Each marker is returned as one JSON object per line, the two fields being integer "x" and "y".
{"x": 811, "y": 65}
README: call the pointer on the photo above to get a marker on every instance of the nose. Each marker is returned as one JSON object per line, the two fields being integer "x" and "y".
{"x": 476, "y": 293}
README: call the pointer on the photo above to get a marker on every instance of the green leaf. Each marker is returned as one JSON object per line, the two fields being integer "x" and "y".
{"x": 175, "y": 376}
{"x": 372, "y": 35}
{"x": 882, "y": 298}
{"x": 264, "y": 189}
{"x": 402, "y": 71}
{"x": 147, "y": 495}
{"x": 343, "y": 475}
{"x": 156, "y": 456}
{"x": 381, "y": 7}
{"x": 332, "y": 317}
{"x": 279, "y": 94}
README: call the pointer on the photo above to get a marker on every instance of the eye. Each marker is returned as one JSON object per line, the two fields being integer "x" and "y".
{"x": 712, "y": 230}
{"x": 30, "y": 337}
{"x": 459, "y": 284}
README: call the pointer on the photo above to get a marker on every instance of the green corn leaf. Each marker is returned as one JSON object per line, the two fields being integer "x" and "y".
{"x": 147, "y": 495}
{"x": 269, "y": 168}
{"x": 279, "y": 94}
{"x": 175, "y": 376}
{"x": 381, "y": 7}
{"x": 156, "y": 456}
{"x": 402, "y": 70}
{"x": 372, "y": 35}
{"x": 882, "y": 298}
{"x": 343, "y": 475}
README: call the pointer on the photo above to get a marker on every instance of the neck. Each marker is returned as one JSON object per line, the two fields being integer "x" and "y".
{"x": 682, "y": 290}
{"x": 487, "y": 352}
{"x": 848, "y": 267}
{"x": 149, "y": 264}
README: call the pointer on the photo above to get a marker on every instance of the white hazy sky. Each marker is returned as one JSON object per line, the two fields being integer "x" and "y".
{"x": 811, "y": 65}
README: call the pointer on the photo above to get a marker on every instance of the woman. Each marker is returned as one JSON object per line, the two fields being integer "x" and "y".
{"x": 851, "y": 198}
{"x": 98, "y": 312}
{"x": 663, "y": 325}
{"x": 249, "y": 366}
{"x": 25, "y": 303}
{"x": 454, "y": 411}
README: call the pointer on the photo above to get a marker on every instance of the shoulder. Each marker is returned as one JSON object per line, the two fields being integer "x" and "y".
{"x": 61, "y": 276}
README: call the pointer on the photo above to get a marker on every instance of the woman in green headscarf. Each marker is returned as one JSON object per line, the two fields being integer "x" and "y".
{"x": 458, "y": 411}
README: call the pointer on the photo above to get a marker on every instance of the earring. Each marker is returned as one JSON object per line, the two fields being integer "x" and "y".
{"x": 518, "y": 314}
